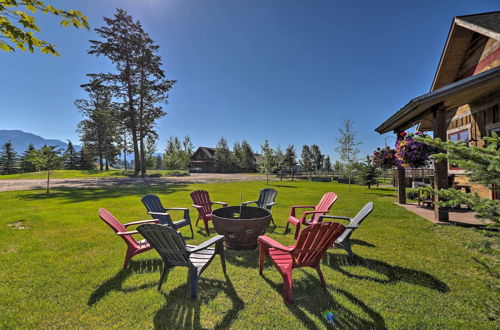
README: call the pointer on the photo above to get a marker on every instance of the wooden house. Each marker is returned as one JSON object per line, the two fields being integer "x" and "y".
{"x": 463, "y": 102}
{"x": 202, "y": 160}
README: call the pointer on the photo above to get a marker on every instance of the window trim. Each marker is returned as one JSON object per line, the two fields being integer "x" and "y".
{"x": 451, "y": 169}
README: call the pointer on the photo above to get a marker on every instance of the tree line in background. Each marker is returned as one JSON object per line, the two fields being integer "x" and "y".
{"x": 31, "y": 160}
{"x": 122, "y": 107}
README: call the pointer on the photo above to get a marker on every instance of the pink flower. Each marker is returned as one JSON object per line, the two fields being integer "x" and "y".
{"x": 403, "y": 134}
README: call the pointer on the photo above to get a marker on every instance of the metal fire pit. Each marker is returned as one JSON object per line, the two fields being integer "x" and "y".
{"x": 241, "y": 230}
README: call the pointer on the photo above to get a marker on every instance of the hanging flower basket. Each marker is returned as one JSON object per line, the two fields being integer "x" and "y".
{"x": 384, "y": 157}
{"x": 411, "y": 153}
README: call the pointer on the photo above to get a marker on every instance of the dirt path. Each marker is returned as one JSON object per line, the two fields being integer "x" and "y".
{"x": 31, "y": 184}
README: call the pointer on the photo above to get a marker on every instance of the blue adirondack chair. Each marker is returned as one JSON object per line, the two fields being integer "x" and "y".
{"x": 266, "y": 200}
{"x": 174, "y": 252}
{"x": 157, "y": 211}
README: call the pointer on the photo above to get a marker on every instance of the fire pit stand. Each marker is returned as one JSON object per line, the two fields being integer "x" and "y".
{"x": 241, "y": 226}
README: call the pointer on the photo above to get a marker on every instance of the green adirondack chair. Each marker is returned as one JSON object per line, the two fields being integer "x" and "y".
{"x": 174, "y": 252}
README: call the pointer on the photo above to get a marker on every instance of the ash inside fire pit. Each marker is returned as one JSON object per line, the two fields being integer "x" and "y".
{"x": 241, "y": 226}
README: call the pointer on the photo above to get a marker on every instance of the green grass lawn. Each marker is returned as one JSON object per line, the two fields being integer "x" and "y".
{"x": 70, "y": 174}
{"x": 64, "y": 269}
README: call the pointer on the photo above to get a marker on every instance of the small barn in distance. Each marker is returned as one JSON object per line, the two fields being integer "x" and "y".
{"x": 203, "y": 160}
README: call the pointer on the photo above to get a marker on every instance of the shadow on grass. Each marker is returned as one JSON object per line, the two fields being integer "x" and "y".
{"x": 115, "y": 283}
{"x": 74, "y": 195}
{"x": 282, "y": 186}
{"x": 182, "y": 312}
{"x": 394, "y": 274}
{"x": 362, "y": 243}
{"x": 243, "y": 258}
{"x": 310, "y": 297}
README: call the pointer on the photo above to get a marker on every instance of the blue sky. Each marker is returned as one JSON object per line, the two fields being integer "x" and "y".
{"x": 288, "y": 71}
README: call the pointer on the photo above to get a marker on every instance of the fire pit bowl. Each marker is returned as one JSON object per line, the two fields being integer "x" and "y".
{"x": 241, "y": 230}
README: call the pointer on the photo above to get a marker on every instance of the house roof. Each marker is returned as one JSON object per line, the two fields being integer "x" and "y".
{"x": 461, "y": 31}
{"x": 484, "y": 23}
{"x": 209, "y": 152}
{"x": 452, "y": 95}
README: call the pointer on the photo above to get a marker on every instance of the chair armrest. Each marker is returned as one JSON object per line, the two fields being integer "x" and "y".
{"x": 206, "y": 244}
{"x": 221, "y": 203}
{"x": 197, "y": 206}
{"x": 292, "y": 209}
{"x": 245, "y": 203}
{"x": 186, "y": 211}
{"x": 125, "y": 233}
{"x": 271, "y": 204}
{"x": 157, "y": 213}
{"x": 333, "y": 217}
{"x": 351, "y": 227}
{"x": 266, "y": 240}
{"x": 141, "y": 222}
{"x": 177, "y": 209}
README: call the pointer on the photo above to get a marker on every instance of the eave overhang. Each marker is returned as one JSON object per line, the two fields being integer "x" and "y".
{"x": 458, "y": 93}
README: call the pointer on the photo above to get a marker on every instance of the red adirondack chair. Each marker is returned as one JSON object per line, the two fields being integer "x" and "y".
{"x": 133, "y": 247}
{"x": 203, "y": 204}
{"x": 310, "y": 217}
{"x": 308, "y": 250}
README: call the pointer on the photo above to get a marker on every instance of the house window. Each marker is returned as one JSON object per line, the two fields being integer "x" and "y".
{"x": 462, "y": 135}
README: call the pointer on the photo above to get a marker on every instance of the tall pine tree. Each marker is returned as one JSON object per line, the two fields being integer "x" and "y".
{"x": 8, "y": 159}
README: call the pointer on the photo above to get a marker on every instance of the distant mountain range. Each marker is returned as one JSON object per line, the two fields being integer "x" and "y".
{"x": 20, "y": 140}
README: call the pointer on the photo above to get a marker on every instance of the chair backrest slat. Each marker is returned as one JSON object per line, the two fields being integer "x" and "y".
{"x": 168, "y": 242}
{"x": 266, "y": 196}
{"x": 153, "y": 204}
{"x": 358, "y": 219}
{"x": 314, "y": 240}
{"x": 202, "y": 198}
{"x": 116, "y": 225}
{"x": 324, "y": 205}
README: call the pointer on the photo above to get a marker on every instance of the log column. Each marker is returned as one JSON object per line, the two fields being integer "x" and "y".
{"x": 400, "y": 177}
{"x": 440, "y": 168}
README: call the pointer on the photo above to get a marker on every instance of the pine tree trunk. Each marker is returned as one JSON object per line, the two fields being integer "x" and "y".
{"x": 48, "y": 180}
{"x": 125, "y": 151}
{"x": 137, "y": 162}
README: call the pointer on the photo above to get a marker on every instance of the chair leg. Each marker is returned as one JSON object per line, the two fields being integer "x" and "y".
{"x": 197, "y": 220}
{"x": 297, "y": 230}
{"x": 286, "y": 228}
{"x": 274, "y": 224}
{"x": 321, "y": 277}
{"x": 206, "y": 226}
{"x": 347, "y": 246}
{"x": 164, "y": 273}
{"x": 287, "y": 286}
{"x": 130, "y": 253}
{"x": 220, "y": 247}
{"x": 191, "y": 227}
{"x": 193, "y": 282}
{"x": 262, "y": 257}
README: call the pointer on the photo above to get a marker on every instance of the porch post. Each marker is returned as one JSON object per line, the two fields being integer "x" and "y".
{"x": 400, "y": 177}
{"x": 440, "y": 168}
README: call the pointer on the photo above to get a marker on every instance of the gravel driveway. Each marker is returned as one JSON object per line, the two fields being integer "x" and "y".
{"x": 31, "y": 184}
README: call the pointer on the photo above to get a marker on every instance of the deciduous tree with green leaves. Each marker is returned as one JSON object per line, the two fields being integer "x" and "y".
{"x": 268, "y": 163}
{"x": 348, "y": 150}
{"x": 46, "y": 159}
{"x": 18, "y": 28}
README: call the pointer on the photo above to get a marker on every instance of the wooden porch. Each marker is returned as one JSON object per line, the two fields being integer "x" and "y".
{"x": 459, "y": 217}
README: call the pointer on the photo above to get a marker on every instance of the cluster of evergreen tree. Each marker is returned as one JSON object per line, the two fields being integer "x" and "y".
{"x": 313, "y": 161}
{"x": 122, "y": 106}
{"x": 177, "y": 155}
{"x": 69, "y": 159}
{"x": 240, "y": 159}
